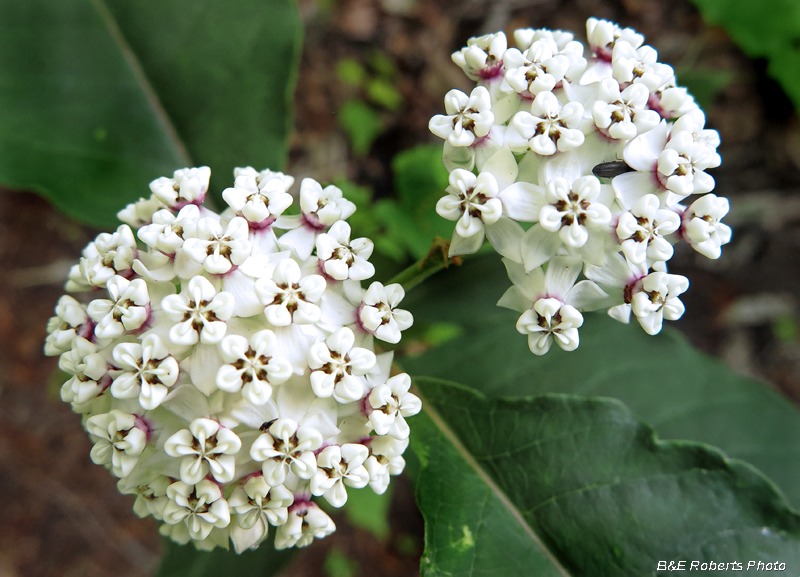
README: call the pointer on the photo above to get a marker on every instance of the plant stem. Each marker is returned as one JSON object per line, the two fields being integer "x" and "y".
{"x": 431, "y": 263}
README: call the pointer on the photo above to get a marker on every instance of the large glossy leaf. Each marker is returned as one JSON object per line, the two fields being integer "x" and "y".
{"x": 565, "y": 485}
{"x": 186, "y": 561}
{"x": 682, "y": 393}
{"x": 99, "y": 97}
{"x": 769, "y": 30}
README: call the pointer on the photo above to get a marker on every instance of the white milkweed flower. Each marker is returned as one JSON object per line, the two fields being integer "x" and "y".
{"x": 589, "y": 159}
{"x": 218, "y": 249}
{"x": 337, "y": 367}
{"x": 187, "y": 186}
{"x": 253, "y": 366}
{"x": 482, "y": 58}
{"x": 145, "y": 370}
{"x": 261, "y": 202}
{"x": 223, "y": 372}
{"x": 549, "y": 127}
{"x": 119, "y": 438}
{"x": 391, "y": 403}
{"x": 658, "y": 300}
{"x": 306, "y": 522}
{"x": 286, "y": 445}
{"x": 702, "y": 227}
{"x": 70, "y": 321}
{"x": 341, "y": 258}
{"x": 199, "y": 313}
{"x": 338, "y": 466}
{"x": 289, "y": 297}
{"x": 127, "y": 310}
{"x": 642, "y": 229}
{"x": 201, "y": 507}
{"x": 379, "y": 313}
{"x": 202, "y": 448}
{"x": 468, "y": 117}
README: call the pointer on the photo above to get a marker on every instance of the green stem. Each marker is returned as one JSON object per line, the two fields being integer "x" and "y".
{"x": 430, "y": 264}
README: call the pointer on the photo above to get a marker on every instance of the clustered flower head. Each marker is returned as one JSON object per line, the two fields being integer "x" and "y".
{"x": 224, "y": 364}
{"x": 579, "y": 163}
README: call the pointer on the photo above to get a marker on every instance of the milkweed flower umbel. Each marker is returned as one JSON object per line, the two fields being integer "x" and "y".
{"x": 579, "y": 160}
{"x": 224, "y": 364}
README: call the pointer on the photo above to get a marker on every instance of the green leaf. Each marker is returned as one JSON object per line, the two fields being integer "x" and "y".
{"x": 99, "y": 97}
{"x": 337, "y": 564}
{"x": 666, "y": 383}
{"x": 383, "y": 93}
{"x": 763, "y": 30}
{"x": 361, "y": 123}
{"x": 562, "y": 485}
{"x": 186, "y": 561}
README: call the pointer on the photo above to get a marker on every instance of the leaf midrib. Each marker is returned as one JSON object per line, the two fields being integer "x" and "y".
{"x": 484, "y": 476}
{"x": 141, "y": 79}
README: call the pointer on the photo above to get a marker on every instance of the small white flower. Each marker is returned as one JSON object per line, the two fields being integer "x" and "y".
{"x": 216, "y": 249}
{"x": 468, "y": 117}
{"x": 603, "y": 35}
{"x": 385, "y": 459}
{"x": 260, "y": 202}
{"x": 472, "y": 202}
{"x": 624, "y": 114}
{"x": 573, "y": 211}
{"x": 482, "y": 57}
{"x": 200, "y": 507}
{"x": 550, "y": 319}
{"x": 639, "y": 66}
{"x": 286, "y": 446}
{"x": 536, "y": 70}
{"x": 704, "y": 229}
{"x": 146, "y": 371}
{"x": 69, "y": 322}
{"x": 682, "y": 165}
{"x": 126, "y": 311}
{"x": 341, "y": 258}
{"x": 140, "y": 213}
{"x": 643, "y": 228}
{"x": 87, "y": 368}
{"x": 379, "y": 314}
{"x": 252, "y": 367}
{"x": 187, "y": 186}
{"x": 322, "y": 207}
{"x": 107, "y": 255}
{"x": 338, "y": 466}
{"x": 549, "y": 127}
{"x": 205, "y": 446}
{"x": 168, "y": 231}
{"x": 337, "y": 367}
{"x": 289, "y": 297}
{"x": 306, "y": 522}
{"x": 119, "y": 438}
{"x": 257, "y": 505}
{"x": 672, "y": 101}
{"x": 391, "y": 403}
{"x": 262, "y": 176}
{"x": 199, "y": 313}
{"x": 151, "y": 496}
{"x": 657, "y": 299}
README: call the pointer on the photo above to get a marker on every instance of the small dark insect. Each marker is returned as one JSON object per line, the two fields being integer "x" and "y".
{"x": 611, "y": 169}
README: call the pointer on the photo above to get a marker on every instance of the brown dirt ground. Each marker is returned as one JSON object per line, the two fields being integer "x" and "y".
{"x": 63, "y": 515}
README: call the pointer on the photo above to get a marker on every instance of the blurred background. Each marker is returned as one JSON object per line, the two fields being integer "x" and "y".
{"x": 372, "y": 73}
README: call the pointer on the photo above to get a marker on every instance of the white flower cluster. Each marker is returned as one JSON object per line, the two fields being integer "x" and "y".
{"x": 226, "y": 369}
{"x": 596, "y": 153}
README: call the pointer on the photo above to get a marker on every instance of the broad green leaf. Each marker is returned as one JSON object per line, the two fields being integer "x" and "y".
{"x": 186, "y": 561}
{"x": 99, "y": 97}
{"x": 682, "y": 393}
{"x": 763, "y": 30}
{"x": 559, "y": 485}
